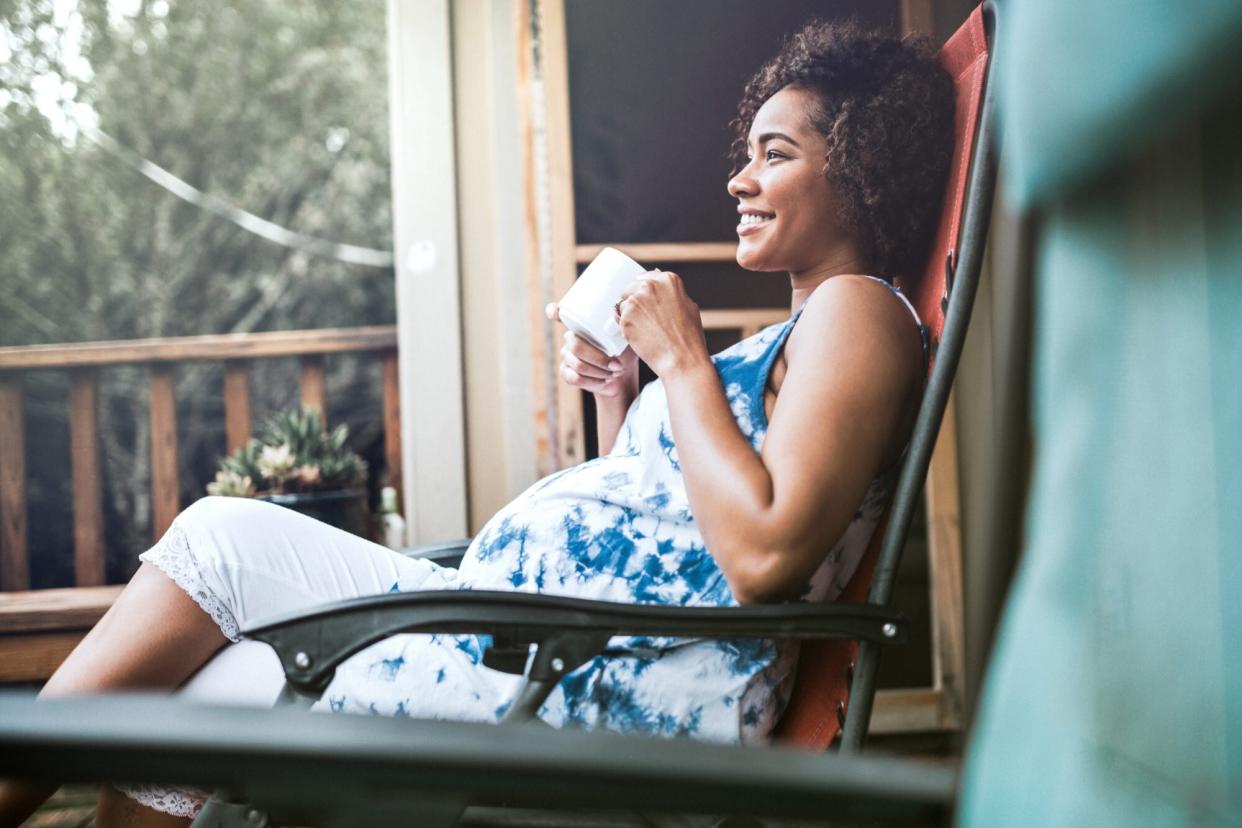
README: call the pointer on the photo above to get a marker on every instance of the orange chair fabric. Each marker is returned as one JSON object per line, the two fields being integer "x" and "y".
{"x": 821, "y": 689}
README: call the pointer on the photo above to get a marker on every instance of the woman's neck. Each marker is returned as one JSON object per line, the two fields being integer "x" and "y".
{"x": 845, "y": 260}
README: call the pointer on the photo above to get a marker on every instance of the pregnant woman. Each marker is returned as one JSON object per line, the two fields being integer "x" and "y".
{"x": 755, "y": 475}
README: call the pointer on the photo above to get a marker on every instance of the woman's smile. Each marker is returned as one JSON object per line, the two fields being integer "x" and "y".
{"x": 753, "y": 221}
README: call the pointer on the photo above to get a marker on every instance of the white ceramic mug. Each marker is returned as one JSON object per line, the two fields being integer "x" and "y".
{"x": 589, "y": 308}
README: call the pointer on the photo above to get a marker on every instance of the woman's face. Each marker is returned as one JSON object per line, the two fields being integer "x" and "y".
{"x": 785, "y": 205}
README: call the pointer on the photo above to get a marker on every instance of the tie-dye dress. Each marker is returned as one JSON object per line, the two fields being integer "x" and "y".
{"x": 617, "y": 528}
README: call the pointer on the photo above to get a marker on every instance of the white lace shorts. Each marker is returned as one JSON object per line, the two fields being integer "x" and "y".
{"x": 243, "y": 560}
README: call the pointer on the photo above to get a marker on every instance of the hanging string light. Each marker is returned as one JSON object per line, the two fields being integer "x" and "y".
{"x": 310, "y": 245}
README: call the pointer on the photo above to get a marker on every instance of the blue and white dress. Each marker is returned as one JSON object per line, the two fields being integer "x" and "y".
{"x": 617, "y": 528}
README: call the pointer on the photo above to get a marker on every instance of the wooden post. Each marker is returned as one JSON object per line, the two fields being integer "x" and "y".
{"x": 543, "y": 369}
{"x": 165, "y": 496}
{"x": 550, "y": 235}
{"x": 917, "y": 17}
{"x": 14, "y": 559}
{"x": 88, "y": 548}
{"x": 236, "y": 403}
{"x": 945, "y": 566}
{"x": 392, "y": 424}
{"x": 313, "y": 393}
{"x": 426, "y": 239}
{"x": 570, "y": 437}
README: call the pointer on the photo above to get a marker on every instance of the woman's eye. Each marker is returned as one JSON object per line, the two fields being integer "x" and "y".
{"x": 770, "y": 154}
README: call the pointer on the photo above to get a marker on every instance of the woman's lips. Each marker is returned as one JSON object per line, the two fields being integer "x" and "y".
{"x": 748, "y": 228}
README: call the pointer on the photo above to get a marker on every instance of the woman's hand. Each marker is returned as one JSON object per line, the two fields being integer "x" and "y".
{"x": 662, "y": 324}
{"x": 587, "y": 367}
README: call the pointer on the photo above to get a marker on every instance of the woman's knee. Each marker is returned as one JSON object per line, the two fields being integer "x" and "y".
{"x": 223, "y": 529}
{"x": 215, "y": 510}
{"x": 215, "y": 515}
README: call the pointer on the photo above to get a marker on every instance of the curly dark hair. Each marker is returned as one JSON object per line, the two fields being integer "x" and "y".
{"x": 886, "y": 110}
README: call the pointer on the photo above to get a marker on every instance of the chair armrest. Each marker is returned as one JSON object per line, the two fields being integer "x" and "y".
{"x": 568, "y": 631}
{"x": 320, "y": 766}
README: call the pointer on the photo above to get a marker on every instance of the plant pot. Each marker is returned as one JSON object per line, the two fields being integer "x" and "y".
{"x": 345, "y": 509}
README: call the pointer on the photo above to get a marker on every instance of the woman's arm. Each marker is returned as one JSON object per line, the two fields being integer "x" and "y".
{"x": 612, "y": 380}
{"x": 851, "y": 378}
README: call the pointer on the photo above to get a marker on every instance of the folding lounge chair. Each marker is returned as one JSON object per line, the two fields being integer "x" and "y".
{"x": 397, "y": 771}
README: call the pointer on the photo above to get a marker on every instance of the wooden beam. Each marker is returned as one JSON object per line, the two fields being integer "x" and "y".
{"x": 654, "y": 255}
{"x": 554, "y": 70}
{"x": 743, "y": 319}
{"x": 542, "y": 332}
{"x": 237, "y": 421}
{"x": 917, "y": 18}
{"x": 392, "y": 423}
{"x": 165, "y": 496}
{"x": 35, "y": 657}
{"x": 14, "y": 558}
{"x": 183, "y": 348}
{"x": 908, "y": 710}
{"x": 39, "y": 628}
{"x": 944, "y": 530}
{"x": 88, "y": 546}
{"x": 44, "y": 610}
{"x": 314, "y": 393}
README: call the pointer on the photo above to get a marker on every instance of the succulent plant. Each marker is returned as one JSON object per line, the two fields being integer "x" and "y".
{"x": 231, "y": 484}
{"x": 293, "y": 453}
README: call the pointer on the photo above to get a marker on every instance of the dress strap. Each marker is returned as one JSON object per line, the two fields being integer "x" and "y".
{"x": 918, "y": 322}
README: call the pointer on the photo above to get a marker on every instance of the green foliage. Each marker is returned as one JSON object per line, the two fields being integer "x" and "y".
{"x": 277, "y": 107}
{"x": 293, "y": 453}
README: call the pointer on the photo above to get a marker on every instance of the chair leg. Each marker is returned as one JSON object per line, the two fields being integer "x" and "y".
{"x": 290, "y": 697}
{"x": 220, "y": 813}
{"x": 530, "y": 696}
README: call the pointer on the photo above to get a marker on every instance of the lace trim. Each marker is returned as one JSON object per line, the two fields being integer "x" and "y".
{"x": 182, "y": 802}
{"x": 173, "y": 557}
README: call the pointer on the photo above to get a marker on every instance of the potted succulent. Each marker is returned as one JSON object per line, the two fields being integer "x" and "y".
{"x": 295, "y": 463}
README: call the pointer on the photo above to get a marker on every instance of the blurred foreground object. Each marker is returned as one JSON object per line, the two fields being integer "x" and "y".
{"x": 1115, "y": 693}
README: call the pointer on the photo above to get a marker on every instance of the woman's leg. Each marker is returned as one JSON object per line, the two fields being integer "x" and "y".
{"x": 115, "y": 808}
{"x": 224, "y": 563}
{"x": 152, "y": 638}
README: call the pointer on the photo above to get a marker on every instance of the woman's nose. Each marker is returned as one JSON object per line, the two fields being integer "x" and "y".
{"x": 742, "y": 184}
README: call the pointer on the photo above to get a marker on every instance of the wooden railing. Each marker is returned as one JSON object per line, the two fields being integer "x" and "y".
{"x": 39, "y": 628}
{"x": 161, "y": 356}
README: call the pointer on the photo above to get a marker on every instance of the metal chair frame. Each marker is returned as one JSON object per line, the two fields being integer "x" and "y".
{"x": 300, "y": 764}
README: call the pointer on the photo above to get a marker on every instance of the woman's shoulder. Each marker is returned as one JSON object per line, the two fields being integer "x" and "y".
{"x": 856, "y": 291}
{"x": 863, "y": 315}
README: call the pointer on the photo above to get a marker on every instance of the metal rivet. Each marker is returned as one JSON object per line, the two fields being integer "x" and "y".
{"x": 302, "y": 661}
{"x": 841, "y": 713}
{"x": 558, "y": 665}
{"x": 889, "y": 629}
